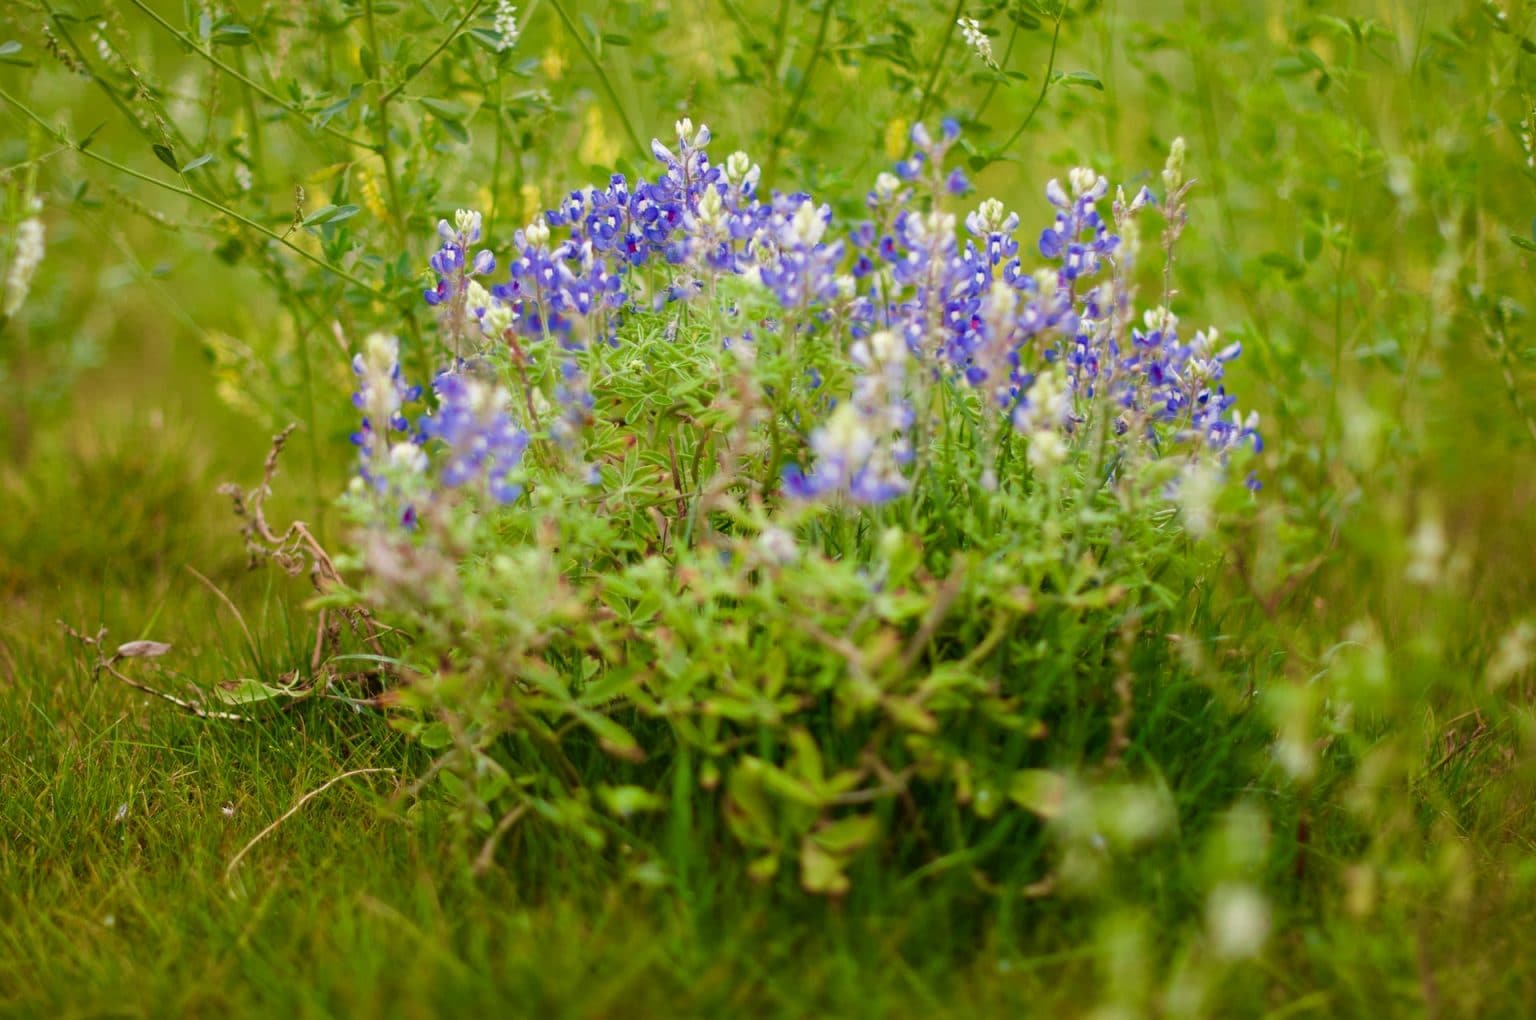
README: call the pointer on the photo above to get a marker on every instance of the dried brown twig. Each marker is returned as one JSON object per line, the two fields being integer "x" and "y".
{"x": 140, "y": 650}
{"x": 296, "y": 550}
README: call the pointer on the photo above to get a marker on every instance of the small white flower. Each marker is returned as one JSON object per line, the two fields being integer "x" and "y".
{"x": 25, "y": 259}
{"x": 977, "y": 40}
{"x": 505, "y": 25}
{"x": 886, "y": 186}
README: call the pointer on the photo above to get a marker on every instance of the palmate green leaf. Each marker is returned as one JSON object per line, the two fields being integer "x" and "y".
{"x": 1086, "y": 78}
{"x": 248, "y": 691}
{"x": 331, "y": 214}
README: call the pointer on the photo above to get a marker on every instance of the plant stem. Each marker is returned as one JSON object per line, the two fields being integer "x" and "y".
{"x": 243, "y": 220}
{"x": 1045, "y": 84}
{"x": 805, "y": 81}
{"x": 602, "y": 76}
{"x": 239, "y": 76}
{"x": 1002, "y": 65}
{"x": 449, "y": 38}
{"x": 938, "y": 60}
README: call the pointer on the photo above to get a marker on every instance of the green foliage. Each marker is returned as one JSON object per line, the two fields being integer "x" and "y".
{"x": 1330, "y": 707}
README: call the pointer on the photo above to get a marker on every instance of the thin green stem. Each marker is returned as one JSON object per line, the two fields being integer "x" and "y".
{"x": 938, "y": 61}
{"x": 602, "y": 76}
{"x": 243, "y": 220}
{"x": 986, "y": 100}
{"x": 1045, "y": 84}
{"x": 245, "y": 80}
{"x": 449, "y": 38}
{"x": 805, "y": 81}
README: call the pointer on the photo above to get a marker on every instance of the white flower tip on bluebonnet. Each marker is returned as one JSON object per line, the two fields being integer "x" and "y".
{"x": 408, "y": 458}
{"x": 1173, "y": 170}
{"x": 887, "y": 348}
{"x": 688, "y": 138}
{"x": 498, "y": 318}
{"x": 1056, "y": 194}
{"x": 1086, "y": 183}
{"x": 505, "y": 25}
{"x": 467, "y": 223}
{"x": 977, "y": 40}
{"x": 809, "y": 224}
{"x": 741, "y": 171}
{"x": 886, "y": 186}
{"x": 536, "y": 233}
{"x": 711, "y": 211}
{"x": 381, "y": 352}
{"x": 1046, "y": 282}
{"x": 25, "y": 259}
{"x": 1237, "y": 920}
{"x": 1160, "y": 319}
{"x": 991, "y": 217}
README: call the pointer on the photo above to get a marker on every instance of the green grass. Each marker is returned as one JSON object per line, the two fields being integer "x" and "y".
{"x": 1360, "y": 195}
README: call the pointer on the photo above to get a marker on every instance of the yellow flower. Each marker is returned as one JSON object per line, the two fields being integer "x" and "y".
{"x": 896, "y": 138}
{"x": 552, "y": 63}
{"x": 532, "y": 200}
{"x": 596, "y": 148}
{"x": 373, "y": 199}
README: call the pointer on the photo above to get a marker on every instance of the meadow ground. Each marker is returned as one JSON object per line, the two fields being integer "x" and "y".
{"x": 1364, "y": 221}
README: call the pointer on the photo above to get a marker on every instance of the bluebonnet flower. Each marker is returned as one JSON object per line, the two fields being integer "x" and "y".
{"x": 455, "y": 292}
{"x": 860, "y": 451}
{"x": 1047, "y": 349}
{"x": 480, "y": 444}
{"x": 381, "y": 396}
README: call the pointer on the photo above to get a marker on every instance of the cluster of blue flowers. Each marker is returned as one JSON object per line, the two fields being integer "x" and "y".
{"x": 915, "y": 300}
{"x": 475, "y": 442}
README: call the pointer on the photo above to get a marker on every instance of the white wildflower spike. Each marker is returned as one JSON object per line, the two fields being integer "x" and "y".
{"x": 977, "y": 40}
{"x": 1173, "y": 170}
{"x": 25, "y": 259}
{"x": 505, "y": 25}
